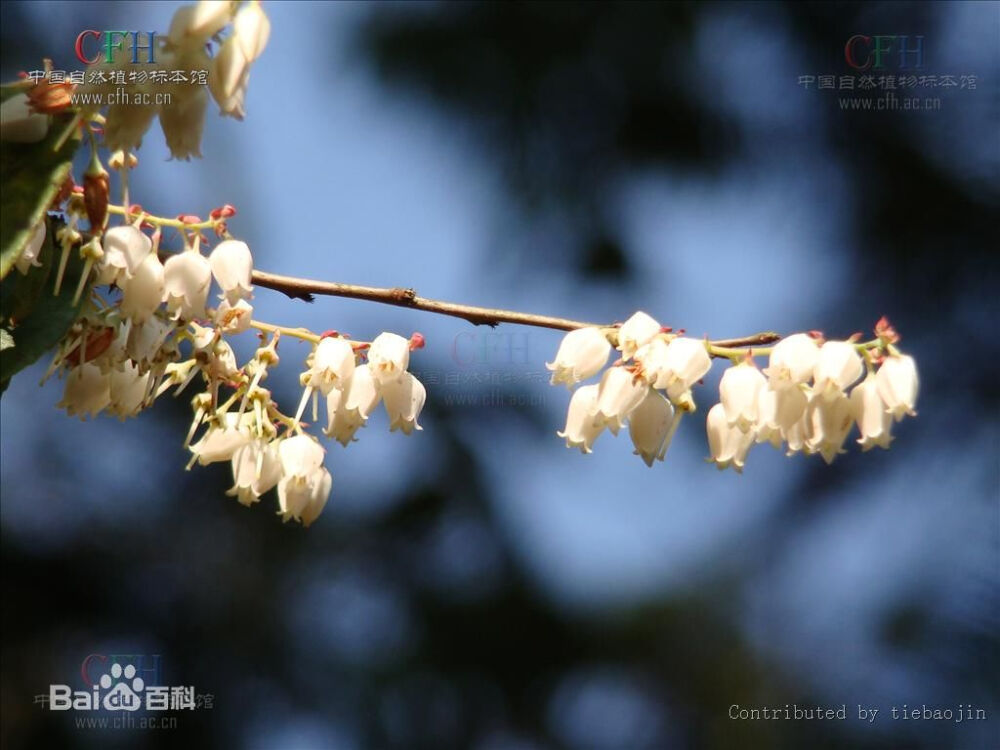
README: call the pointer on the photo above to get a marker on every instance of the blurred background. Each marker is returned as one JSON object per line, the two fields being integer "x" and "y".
{"x": 479, "y": 585}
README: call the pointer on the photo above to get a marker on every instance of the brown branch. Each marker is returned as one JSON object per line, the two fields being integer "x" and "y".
{"x": 304, "y": 289}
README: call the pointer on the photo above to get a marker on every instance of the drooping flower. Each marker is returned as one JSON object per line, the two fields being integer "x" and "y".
{"x": 251, "y": 29}
{"x": 125, "y": 247}
{"x": 873, "y": 418}
{"x": 222, "y": 439}
{"x": 618, "y": 394}
{"x": 739, "y": 391}
{"x": 143, "y": 292}
{"x": 233, "y": 319}
{"x": 581, "y": 430}
{"x": 332, "y": 364}
{"x": 87, "y": 391}
{"x": 792, "y": 361}
{"x": 777, "y": 412}
{"x": 828, "y": 421}
{"x": 127, "y": 390}
{"x": 404, "y": 399}
{"x": 187, "y": 277}
{"x": 636, "y": 331}
{"x": 728, "y": 444}
{"x": 305, "y": 483}
{"x": 351, "y": 407}
{"x": 898, "y": 384}
{"x": 228, "y": 77}
{"x": 837, "y": 367}
{"x": 389, "y": 356}
{"x": 582, "y": 353}
{"x": 256, "y": 469}
{"x": 232, "y": 266}
{"x": 649, "y": 426}
{"x": 686, "y": 361}
{"x": 183, "y": 120}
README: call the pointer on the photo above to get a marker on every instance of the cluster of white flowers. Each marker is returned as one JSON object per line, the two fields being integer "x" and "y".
{"x": 649, "y": 387}
{"x": 147, "y": 327}
{"x": 802, "y": 403}
{"x": 181, "y": 107}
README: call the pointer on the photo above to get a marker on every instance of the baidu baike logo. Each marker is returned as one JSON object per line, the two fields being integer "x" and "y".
{"x": 122, "y": 692}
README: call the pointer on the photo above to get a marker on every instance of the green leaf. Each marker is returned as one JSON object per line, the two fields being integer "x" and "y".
{"x": 48, "y": 316}
{"x": 31, "y": 175}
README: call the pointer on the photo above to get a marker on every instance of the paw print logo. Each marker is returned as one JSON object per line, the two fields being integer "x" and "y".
{"x": 124, "y": 696}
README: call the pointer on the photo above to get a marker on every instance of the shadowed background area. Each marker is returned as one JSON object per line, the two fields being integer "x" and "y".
{"x": 477, "y": 584}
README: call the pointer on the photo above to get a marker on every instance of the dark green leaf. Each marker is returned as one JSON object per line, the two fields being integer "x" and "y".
{"x": 31, "y": 175}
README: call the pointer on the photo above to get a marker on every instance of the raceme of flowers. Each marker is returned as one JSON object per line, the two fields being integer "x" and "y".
{"x": 197, "y": 40}
{"x": 806, "y": 400}
{"x": 151, "y": 326}
{"x": 149, "y": 322}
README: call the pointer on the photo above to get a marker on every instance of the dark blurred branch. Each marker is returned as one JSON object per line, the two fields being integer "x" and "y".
{"x": 305, "y": 288}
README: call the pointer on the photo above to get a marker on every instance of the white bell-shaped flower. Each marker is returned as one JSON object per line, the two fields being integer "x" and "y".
{"x": 203, "y": 20}
{"x": 143, "y": 292}
{"x": 256, "y": 469}
{"x": 685, "y": 363}
{"x": 233, "y": 319}
{"x": 778, "y": 411}
{"x": 145, "y": 339}
{"x": 873, "y": 418}
{"x": 87, "y": 391}
{"x": 29, "y": 255}
{"x": 795, "y": 438}
{"x": 739, "y": 391}
{"x": 222, "y": 439}
{"x": 792, "y": 361}
{"x": 837, "y": 367}
{"x": 187, "y": 277}
{"x": 305, "y": 484}
{"x": 404, "y": 399}
{"x": 729, "y": 445}
{"x": 232, "y": 266}
{"x": 618, "y": 394}
{"x": 252, "y": 29}
{"x": 581, "y": 428}
{"x": 649, "y": 426}
{"x": 127, "y": 390}
{"x": 350, "y": 408}
{"x": 828, "y": 421}
{"x": 332, "y": 364}
{"x": 582, "y": 353}
{"x": 125, "y": 247}
{"x": 389, "y": 356}
{"x": 19, "y": 123}
{"x": 636, "y": 331}
{"x": 898, "y": 384}
{"x": 652, "y": 359}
